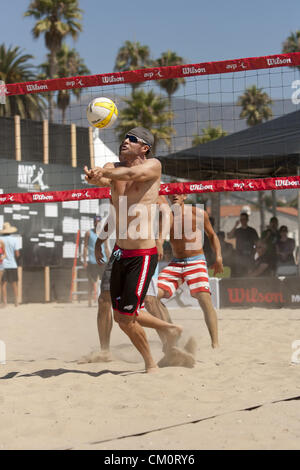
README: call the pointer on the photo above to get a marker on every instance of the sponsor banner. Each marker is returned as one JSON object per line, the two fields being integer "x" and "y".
{"x": 34, "y": 178}
{"x": 250, "y": 292}
{"x": 156, "y": 73}
{"x": 291, "y": 287}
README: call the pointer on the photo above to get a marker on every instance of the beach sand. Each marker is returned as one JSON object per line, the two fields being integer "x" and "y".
{"x": 246, "y": 395}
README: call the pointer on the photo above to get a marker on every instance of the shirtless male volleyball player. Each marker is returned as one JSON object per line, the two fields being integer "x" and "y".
{"x": 189, "y": 264}
{"x": 135, "y": 256}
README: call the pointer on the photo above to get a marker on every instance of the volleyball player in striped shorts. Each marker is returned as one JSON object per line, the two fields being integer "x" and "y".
{"x": 189, "y": 264}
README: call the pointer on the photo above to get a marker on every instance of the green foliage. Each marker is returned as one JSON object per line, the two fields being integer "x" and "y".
{"x": 132, "y": 56}
{"x": 69, "y": 63}
{"x": 209, "y": 133}
{"x": 169, "y": 58}
{"x": 146, "y": 109}
{"x": 255, "y": 106}
{"x": 16, "y": 68}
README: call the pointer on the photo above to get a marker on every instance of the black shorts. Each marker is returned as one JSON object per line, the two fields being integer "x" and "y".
{"x": 10, "y": 275}
{"x": 94, "y": 271}
{"x": 131, "y": 274}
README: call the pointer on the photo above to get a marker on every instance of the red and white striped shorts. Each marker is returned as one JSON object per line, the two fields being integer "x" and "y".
{"x": 193, "y": 272}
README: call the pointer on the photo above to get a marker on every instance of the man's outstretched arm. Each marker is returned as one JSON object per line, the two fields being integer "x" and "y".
{"x": 149, "y": 170}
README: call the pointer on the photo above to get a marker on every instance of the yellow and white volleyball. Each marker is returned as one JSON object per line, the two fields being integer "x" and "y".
{"x": 102, "y": 112}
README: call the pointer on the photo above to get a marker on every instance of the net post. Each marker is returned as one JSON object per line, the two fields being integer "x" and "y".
{"x": 46, "y": 142}
{"x": 18, "y": 138}
{"x": 47, "y": 283}
{"x": 91, "y": 144}
{"x": 73, "y": 146}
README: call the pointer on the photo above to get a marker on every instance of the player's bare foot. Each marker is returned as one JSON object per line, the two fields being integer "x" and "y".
{"x": 172, "y": 335}
{"x": 152, "y": 370}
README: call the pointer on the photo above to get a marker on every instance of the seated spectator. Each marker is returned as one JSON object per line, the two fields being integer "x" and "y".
{"x": 227, "y": 250}
{"x": 271, "y": 237}
{"x": 263, "y": 263}
{"x": 246, "y": 238}
{"x": 285, "y": 248}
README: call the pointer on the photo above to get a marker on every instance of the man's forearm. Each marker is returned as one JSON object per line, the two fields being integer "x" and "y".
{"x": 215, "y": 244}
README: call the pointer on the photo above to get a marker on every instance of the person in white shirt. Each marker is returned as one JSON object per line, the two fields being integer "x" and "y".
{"x": 10, "y": 261}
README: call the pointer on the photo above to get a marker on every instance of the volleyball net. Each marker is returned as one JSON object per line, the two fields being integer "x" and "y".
{"x": 229, "y": 127}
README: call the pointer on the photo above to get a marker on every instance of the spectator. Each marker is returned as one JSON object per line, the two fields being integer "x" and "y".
{"x": 227, "y": 251}
{"x": 271, "y": 237}
{"x": 285, "y": 248}
{"x": 94, "y": 271}
{"x": 263, "y": 263}
{"x": 246, "y": 238}
{"x": 10, "y": 261}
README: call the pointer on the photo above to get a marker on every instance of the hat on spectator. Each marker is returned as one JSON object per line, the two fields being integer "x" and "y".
{"x": 8, "y": 229}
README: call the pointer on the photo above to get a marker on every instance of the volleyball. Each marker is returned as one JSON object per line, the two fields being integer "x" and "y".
{"x": 102, "y": 112}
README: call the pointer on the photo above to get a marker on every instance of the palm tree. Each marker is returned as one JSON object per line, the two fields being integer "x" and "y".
{"x": 292, "y": 43}
{"x": 146, "y": 109}
{"x": 209, "y": 133}
{"x": 170, "y": 85}
{"x": 56, "y": 19}
{"x": 255, "y": 106}
{"x": 132, "y": 56}
{"x": 15, "y": 68}
{"x": 69, "y": 64}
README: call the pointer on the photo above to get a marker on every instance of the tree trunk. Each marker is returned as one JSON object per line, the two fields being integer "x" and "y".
{"x": 52, "y": 66}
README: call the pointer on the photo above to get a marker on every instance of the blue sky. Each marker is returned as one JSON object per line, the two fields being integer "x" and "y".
{"x": 197, "y": 30}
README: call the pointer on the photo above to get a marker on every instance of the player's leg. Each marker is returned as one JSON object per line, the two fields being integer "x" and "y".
{"x": 91, "y": 282}
{"x": 104, "y": 320}
{"x": 137, "y": 336}
{"x": 104, "y": 317}
{"x": 195, "y": 275}
{"x": 210, "y": 316}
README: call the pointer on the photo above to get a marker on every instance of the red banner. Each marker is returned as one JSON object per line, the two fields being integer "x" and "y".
{"x": 156, "y": 73}
{"x": 262, "y": 184}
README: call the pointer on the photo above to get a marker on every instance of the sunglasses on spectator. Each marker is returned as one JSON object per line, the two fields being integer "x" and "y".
{"x": 135, "y": 140}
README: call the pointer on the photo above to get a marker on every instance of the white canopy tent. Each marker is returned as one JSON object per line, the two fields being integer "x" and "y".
{"x": 102, "y": 153}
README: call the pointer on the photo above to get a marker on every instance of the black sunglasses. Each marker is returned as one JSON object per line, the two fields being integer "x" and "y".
{"x": 134, "y": 139}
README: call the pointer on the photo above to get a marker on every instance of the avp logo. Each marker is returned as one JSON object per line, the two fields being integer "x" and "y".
{"x": 296, "y": 95}
{"x": 167, "y": 189}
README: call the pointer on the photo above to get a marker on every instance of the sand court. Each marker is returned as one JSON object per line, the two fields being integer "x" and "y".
{"x": 244, "y": 395}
